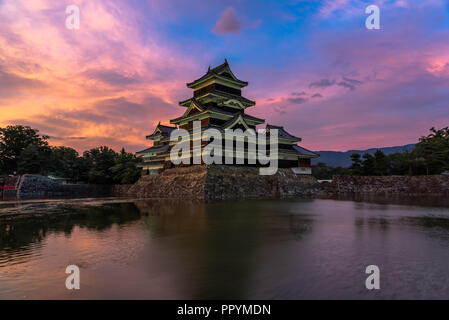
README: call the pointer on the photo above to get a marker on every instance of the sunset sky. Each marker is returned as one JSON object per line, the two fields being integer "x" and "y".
{"x": 312, "y": 66}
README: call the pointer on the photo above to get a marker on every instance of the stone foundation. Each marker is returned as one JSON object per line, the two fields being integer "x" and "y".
{"x": 200, "y": 182}
{"x": 220, "y": 182}
{"x": 389, "y": 185}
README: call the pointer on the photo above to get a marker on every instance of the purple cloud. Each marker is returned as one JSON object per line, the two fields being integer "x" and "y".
{"x": 228, "y": 23}
{"x": 352, "y": 81}
{"x": 112, "y": 77}
{"x": 298, "y": 100}
{"x": 280, "y": 110}
{"x": 10, "y": 83}
{"x": 346, "y": 85}
{"x": 323, "y": 83}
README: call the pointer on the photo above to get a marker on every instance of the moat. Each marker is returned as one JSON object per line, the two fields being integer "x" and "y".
{"x": 274, "y": 249}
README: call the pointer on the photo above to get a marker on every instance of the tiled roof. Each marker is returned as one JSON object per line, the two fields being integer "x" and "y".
{"x": 232, "y": 96}
{"x": 244, "y": 116}
{"x": 216, "y": 71}
{"x": 230, "y": 121}
{"x": 247, "y": 116}
{"x": 154, "y": 149}
{"x": 282, "y": 133}
{"x": 221, "y": 94}
{"x": 165, "y": 130}
{"x": 221, "y": 111}
{"x": 305, "y": 152}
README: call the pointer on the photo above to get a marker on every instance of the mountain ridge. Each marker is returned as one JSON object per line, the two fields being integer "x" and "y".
{"x": 343, "y": 158}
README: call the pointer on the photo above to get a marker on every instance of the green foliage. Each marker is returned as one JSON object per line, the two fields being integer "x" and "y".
{"x": 100, "y": 161}
{"x": 368, "y": 166}
{"x": 356, "y": 167}
{"x": 430, "y": 156}
{"x": 23, "y": 150}
{"x": 399, "y": 164}
{"x": 381, "y": 164}
{"x": 33, "y": 159}
{"x": 107, "y": 166}
{"x": 66, "y": 162}
{"x": 13, "y": 141}
{"x": 433, "y": 151}
{"x": 324, "y": 172}
{"x": 125, "y": 170}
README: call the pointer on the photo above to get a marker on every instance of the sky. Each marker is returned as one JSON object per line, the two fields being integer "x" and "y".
{"x": 312, "y": 67}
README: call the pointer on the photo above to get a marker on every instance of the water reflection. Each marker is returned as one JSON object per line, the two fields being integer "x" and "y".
{"x": 217, "y": 245}
{"x": 428, "y": 222}
{"x": 17, "y": 232}
{"x": 388, "y": 199}
{"x": 21, "y": 234}
{"x": 300, "y": 225}
{"x": 155, "y": 249}
{"x": 373, "y": 223}
{"x": 433, "y": 226}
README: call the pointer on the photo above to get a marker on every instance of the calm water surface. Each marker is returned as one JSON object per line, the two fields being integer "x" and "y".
{"x": 290, "y": 249}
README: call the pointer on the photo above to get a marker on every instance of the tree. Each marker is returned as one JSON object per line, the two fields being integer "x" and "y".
{"x": 433, "y": 150}
{"x": 398, "y": 163}
{"x": 356, "y": 167}
{"x": 321, "y": 171}
{"x": 66, "y": 162}
{"x": 125, "y": 170}
{"x": 368, "y": 168}
{"x": 100, "y": 161}
{"x": 324, "y": 172}
{"x": 13, "y": 140}
{"x": 381, "y": 164}
{"x": 33, "y": 159}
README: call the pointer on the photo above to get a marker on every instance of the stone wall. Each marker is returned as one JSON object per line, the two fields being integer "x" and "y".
{"x": 201, "y": 182}
{"x": 220, "y": 182}
{"x": 120, "y": 190}
{"x": 184, "y": 182}
{"x": 40, "y": 187}
{"x": 389, "y": 185}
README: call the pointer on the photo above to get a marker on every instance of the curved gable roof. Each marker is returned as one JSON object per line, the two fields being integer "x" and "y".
{"x": 162, "y": 130}
{"x": 282, "y": 133}
{"x": 223, "y": 70}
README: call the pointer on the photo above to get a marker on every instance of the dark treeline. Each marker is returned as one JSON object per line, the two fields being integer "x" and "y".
{"x": 430, "y": 156}
{"x": 24, "y": 151}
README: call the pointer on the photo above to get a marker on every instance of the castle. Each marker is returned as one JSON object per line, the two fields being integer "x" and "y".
{"x": 218, "y": 103}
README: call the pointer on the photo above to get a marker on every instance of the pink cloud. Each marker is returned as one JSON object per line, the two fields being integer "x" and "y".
{"x": 112, "y": 81}
{"x": 105, "y": 83}
{"x": 389, "y": 89}
{"x": 228, "y": 22}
